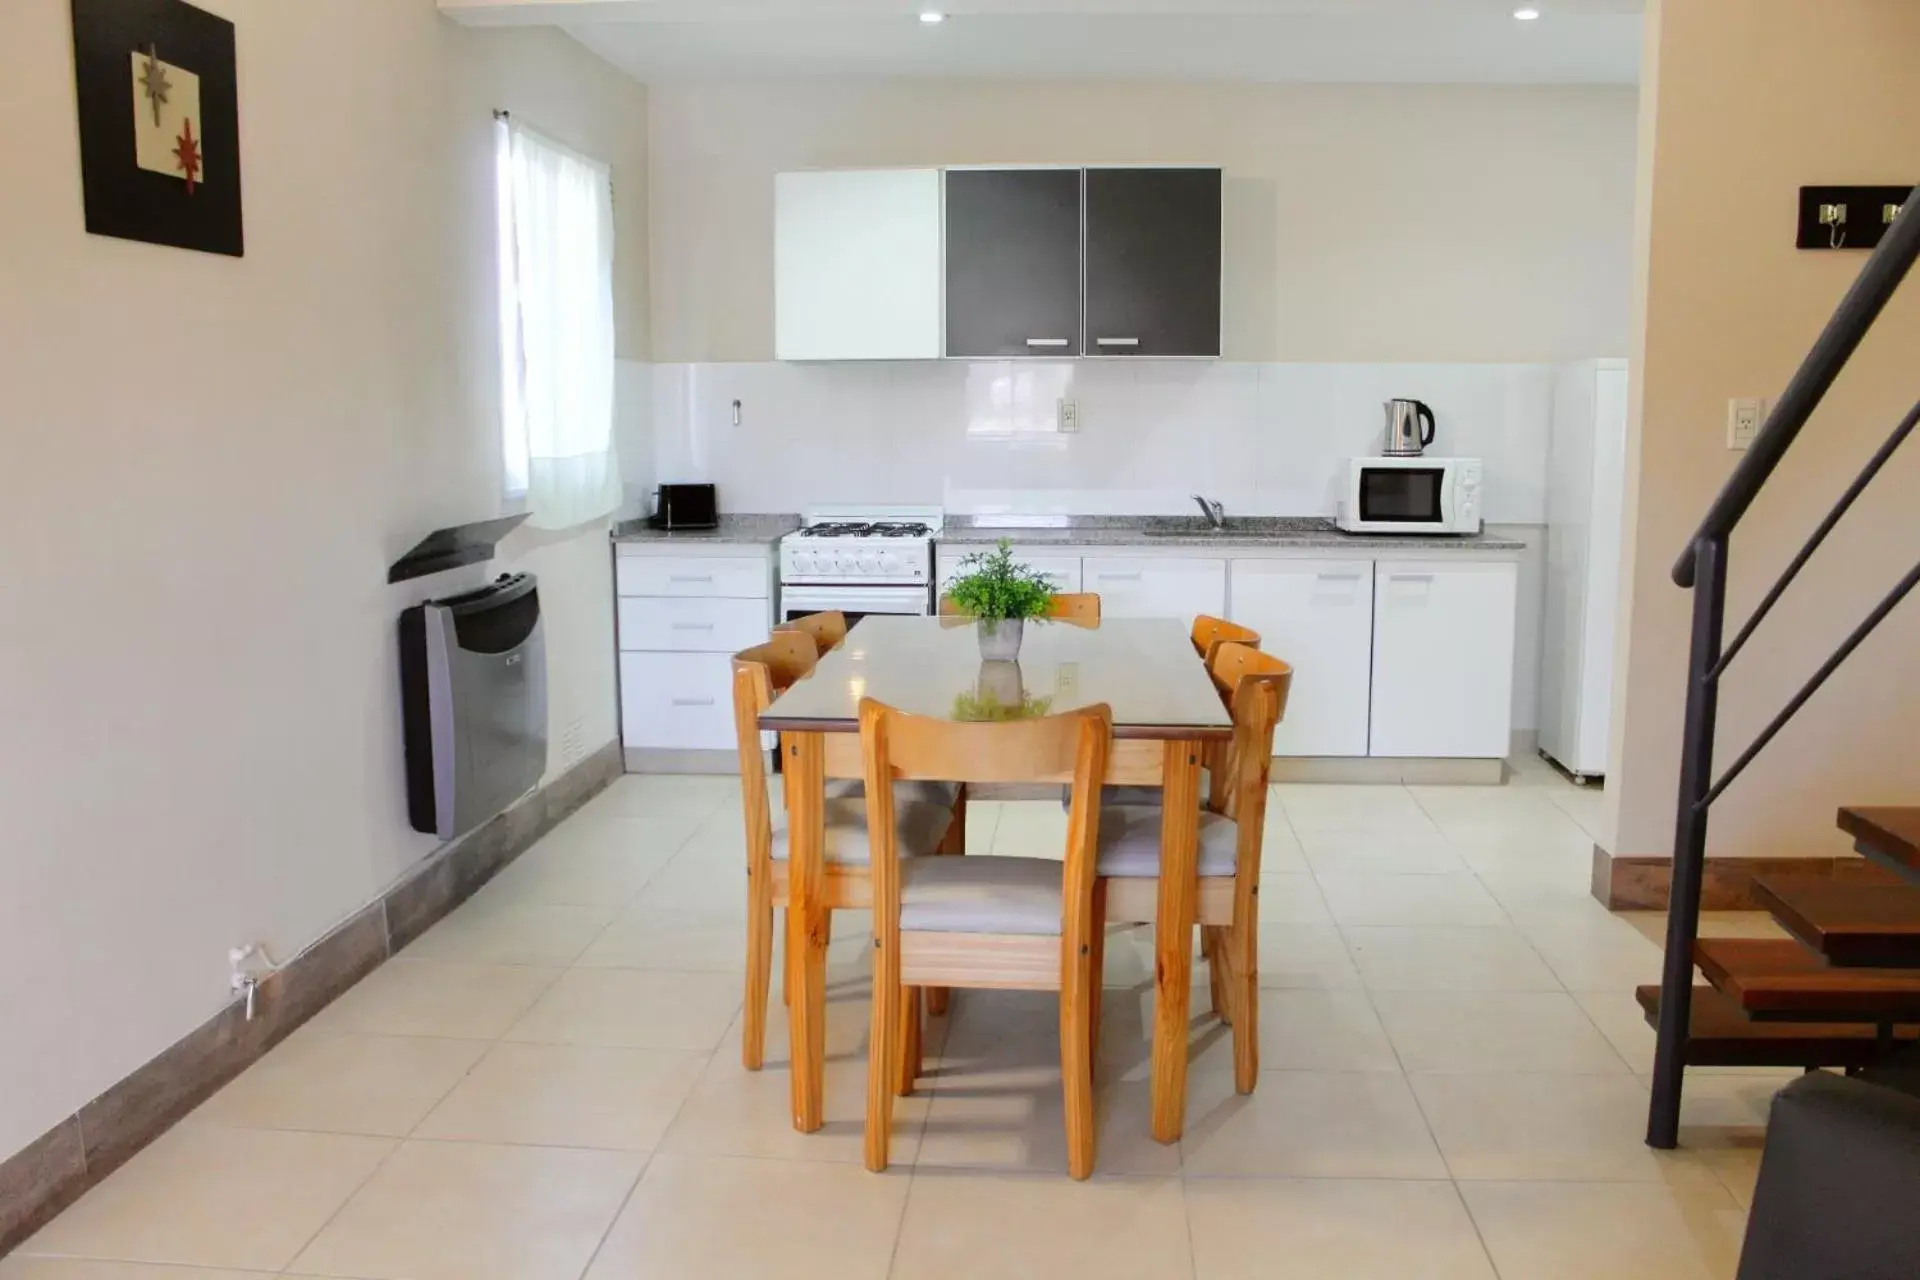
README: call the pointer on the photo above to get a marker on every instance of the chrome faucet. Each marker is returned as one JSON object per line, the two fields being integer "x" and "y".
{"x": 1215, "y": 512}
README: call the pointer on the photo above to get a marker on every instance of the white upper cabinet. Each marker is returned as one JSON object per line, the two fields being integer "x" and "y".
{"x": 858, "y": 265}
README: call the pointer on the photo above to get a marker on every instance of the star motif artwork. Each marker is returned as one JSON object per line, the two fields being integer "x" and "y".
{"x": 154, "y": 83}
{"x": 187, "y": 151}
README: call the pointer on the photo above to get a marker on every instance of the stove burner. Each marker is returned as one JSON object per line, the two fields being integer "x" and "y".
{"x": 884, "y": 529}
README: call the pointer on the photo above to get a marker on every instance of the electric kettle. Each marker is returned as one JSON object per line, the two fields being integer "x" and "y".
{"x": 1410, "y": 428}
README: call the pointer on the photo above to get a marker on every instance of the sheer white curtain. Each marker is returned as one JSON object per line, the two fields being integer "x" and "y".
{"x": 556, "y": 329}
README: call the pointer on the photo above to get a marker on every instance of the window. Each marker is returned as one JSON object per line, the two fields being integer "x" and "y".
{"x": 556, "y": 329}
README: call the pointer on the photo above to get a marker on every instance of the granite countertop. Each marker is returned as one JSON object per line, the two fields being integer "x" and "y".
{"x": 1192, "y": 532}
{"x": 741, "y": 528}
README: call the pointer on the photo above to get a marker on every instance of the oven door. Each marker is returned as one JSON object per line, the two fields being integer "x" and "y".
{"x": 855, "y": 602}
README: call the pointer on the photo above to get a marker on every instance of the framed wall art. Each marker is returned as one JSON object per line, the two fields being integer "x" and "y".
{"x": 159, "y": 105}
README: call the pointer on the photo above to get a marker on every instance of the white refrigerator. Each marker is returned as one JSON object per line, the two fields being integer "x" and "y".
{"x": 1586, "y": 473}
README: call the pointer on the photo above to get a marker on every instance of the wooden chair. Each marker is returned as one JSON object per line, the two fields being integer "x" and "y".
{"x": 827, "y": 629}
{"x": 1082, "y": 608}
{"x": 1210, "y": 633}
{"x": 1229, "y": 854}
{"x": 983, "y": 921}
{"x": 921, "y": 825}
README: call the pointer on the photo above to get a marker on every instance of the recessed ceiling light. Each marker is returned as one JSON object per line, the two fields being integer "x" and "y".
{"x": 1526, "y": 13}
{"x": 931, "y": 17}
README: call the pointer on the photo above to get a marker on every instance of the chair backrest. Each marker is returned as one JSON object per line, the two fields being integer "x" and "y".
{"x": 1256, "y": 685}
{"x": 759, "y": 674}
{"x": 827, "y": 629}
{"x": 1082, "y": 608}
{"x": 1209, "y": 633}
{"x": 1070, "y": 747}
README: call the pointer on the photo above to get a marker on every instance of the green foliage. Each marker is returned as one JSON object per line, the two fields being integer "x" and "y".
{"x": 993, "y": 585}
{"x": 985, "y": 705}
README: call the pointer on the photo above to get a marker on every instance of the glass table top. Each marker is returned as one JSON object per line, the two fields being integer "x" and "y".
{"x": 1146, "y": 670}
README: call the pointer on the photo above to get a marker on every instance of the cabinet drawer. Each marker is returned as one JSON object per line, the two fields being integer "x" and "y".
{"x": 677, "y": 701}
{"x": 1155, "y": 588}
{"x": 693, "y": 624}
{"x": 738, "y": 577}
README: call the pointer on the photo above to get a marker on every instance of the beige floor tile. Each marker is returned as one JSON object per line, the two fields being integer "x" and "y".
{"x": 1292, "y": 899}
{"x": 1620, "y": 1019}
{"x": 1322, "y": 1031}
{"x": 405, "y": 997}
{"x": 1588, "y": 948}
{"x": 735, "y": 1112}
{"x": 1031, "y": 829}
{"x": 565, "y": 1095}
{"x": 208, "y": 1196}
{"x": 489, "y": 930}
{"x": 1585, "y": 805}
{"x": 720, "y": 1219}
{"x": 1541, "y": 886}
{"x": 648, "y": 937}
{"x": 379, "y": 1085}
{"x": 21, "y": 1268}
{"x": 707, "y": 876}
{"x": 1310, "y": 1124}
{"x": 1455, "y": 899}
{"x": 602, "y": 864}
{"x": 1563, "y": 1127}
{"x": 1401, "y": 958}
{"x": 633, "y": 1009}
{"x": 1354, "y": 807}
{"x": 1369, "y": 851}
{"x": 1605, "y": 1231}
{"x": 468, "y": 1211}
{"x": 1483, "y": 809}
{"x": 1292, "y": 1229}
{"x": 964, "y": 1224}
{"x": 1495, "y": 1032}
{"x": 654, "y": 797}
{"x": 1306, "y": 956}
{"x": 1652, "y": 925}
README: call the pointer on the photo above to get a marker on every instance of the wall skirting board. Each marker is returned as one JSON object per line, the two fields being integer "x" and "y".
{"x": 1639, "y": 883}
{"x": 84, "y": 1148}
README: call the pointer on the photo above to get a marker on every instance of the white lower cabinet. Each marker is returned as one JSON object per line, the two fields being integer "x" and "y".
{"x": 1443, "y": 637}
{"x": 677, "y": 701}
{"x": 681, "y": 618}
{"x": 1063, "y": 572}
{"x": 1146, "y": 587}
{"x": 1318, "y": 616}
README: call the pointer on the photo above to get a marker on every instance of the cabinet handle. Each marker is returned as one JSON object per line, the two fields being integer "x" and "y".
{"x": 1409, "y": 577}
{"x": 689, "y": 577}
{"x": 1049, "y": 342}
{"x": 1119, "y": 577}
{"x": 693, "y": 702}
{"x": 693, "y": 626}
{"x": 1117, "y": 342}
{"x": 1339, "y": 577}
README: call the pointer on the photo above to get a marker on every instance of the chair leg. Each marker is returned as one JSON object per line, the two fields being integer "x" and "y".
{"x": 908, "y": 1043}
{"x": 1210, "y": 948}
{"x": 1242, "y": 946}
{"x": 882, "y": 1071}
{"x": 1076, "y": 1064}
{"x": 1098, "y": 965}
{"x": 753, "y": 1020}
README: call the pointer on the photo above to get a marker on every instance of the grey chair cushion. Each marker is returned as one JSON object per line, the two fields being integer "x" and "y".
{"x": 941, "y": 793}
{"x": 984, "y": 894}
{"x": 918, "y": 829}
{"x": 1130, "y": 842}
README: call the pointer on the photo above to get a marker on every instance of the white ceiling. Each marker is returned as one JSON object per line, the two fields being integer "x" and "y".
{"x": 1365, "y": 41}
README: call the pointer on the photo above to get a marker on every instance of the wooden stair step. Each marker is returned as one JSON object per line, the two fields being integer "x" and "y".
{"x": 1852, "y": 925}
{"x": 1887, "y": 833}
{"x": 1779, "y": 979}
{"x": 1720, "y": 1035}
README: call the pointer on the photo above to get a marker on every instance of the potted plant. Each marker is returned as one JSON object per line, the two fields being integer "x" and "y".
{"x": 999, "y": 594}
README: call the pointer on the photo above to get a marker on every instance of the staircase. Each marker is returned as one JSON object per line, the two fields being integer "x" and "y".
{"x": 1844, "y": 990}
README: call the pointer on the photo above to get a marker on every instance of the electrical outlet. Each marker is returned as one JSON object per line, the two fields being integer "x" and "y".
{"x": 1068, "y": 417}
{"x": 1743, "y": 422}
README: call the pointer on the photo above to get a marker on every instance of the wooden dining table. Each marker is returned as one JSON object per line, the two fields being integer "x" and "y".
{"x": 1165, "y": 712}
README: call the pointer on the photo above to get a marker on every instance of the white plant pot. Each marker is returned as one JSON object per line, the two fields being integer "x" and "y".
{"x": 1000, "y": 638}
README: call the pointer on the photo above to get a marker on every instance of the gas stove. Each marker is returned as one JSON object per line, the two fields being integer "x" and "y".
{"x": 860, "y": 560}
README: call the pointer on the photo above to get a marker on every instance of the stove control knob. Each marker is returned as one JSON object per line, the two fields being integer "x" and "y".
{"x": 802, "y": 564}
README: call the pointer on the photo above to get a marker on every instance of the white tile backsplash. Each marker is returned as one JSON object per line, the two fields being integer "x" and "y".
{"x": 983, "y": 436}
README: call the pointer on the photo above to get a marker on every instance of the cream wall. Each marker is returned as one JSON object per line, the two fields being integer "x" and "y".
{"x": 1364, "y": 223}
{"x": 211, "y": 463}
{"x": 1751, "y": 99}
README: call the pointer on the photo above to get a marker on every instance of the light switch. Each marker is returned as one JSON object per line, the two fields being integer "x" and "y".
{"x": 1743, "y": 422}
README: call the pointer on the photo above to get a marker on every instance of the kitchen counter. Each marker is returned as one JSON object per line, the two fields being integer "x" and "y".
{"x": 741, "y": 529}
{"x": 1193, "y": 533}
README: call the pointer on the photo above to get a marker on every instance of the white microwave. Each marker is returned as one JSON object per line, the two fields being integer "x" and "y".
{"x": 1410, "y": 495}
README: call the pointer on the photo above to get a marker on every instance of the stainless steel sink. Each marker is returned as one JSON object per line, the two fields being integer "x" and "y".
{"x": 1190, "y": 527}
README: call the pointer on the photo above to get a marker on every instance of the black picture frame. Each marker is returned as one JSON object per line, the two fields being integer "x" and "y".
{"x": 123, "y": 199}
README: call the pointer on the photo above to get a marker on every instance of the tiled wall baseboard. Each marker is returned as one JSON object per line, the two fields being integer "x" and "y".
{"x": 78, "y": 1152}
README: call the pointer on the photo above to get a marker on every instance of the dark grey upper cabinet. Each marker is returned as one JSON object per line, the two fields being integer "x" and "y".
{"x": 1152, "y": 262}
{"x": 1013, "y": 262}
